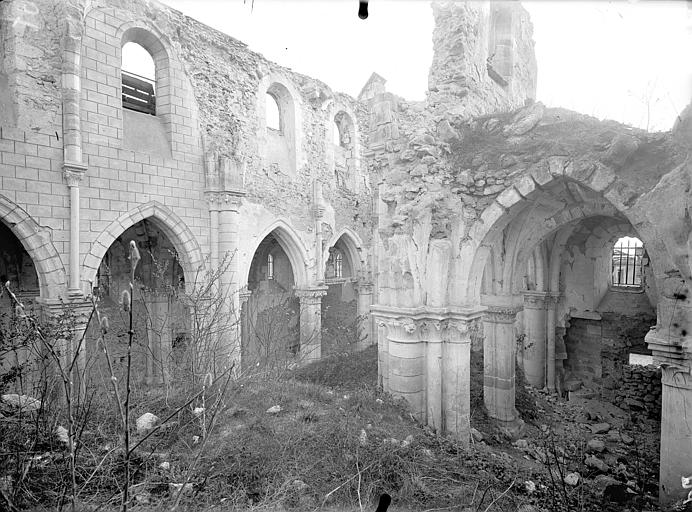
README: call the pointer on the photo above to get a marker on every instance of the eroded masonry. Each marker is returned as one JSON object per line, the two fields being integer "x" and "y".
{"x": 476, "y": 222}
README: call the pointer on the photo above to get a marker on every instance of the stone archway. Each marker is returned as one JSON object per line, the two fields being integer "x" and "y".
{"x": 188, "y": 250}
{"x": 37, "y": 242}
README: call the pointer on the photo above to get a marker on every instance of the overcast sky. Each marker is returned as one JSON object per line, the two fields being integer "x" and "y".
{"x": 607, "y": 59}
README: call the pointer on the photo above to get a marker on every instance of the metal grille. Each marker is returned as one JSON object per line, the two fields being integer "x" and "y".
{"x": 627, "y": 262}
{"x": 138, "y": 93}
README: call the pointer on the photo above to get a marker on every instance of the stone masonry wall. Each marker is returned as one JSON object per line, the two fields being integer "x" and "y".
{"x": 639, "y": 390}
{"x": 213, "y": 87}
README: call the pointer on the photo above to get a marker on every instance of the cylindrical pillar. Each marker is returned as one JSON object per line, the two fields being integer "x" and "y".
{"x": 535, "y": 337}
{"x": 550, "y": 340}
{"x": 244, "y": 297}
{"x": 229, "y": 332}
{"x": 73, "y": 174}
{"x": 456, "y": 377}
{"x": 311, "y": 322}
{"x": 406, "y": 361}
{"x": 431, "y": 332}
{"x": 364, "y": 290}
{"x": 499, "y": 363}
{"x": 676, "y": 433}
{"x": 382, "y": 356}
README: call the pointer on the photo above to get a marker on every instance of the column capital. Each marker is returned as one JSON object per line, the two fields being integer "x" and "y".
{"x": 536, "y": 300}
{"x": 73, "y": 173}
{"x": 312, "y": 295}
{"x": 224, "y": 200}
{"x": 244, "y": 295}
{"x": 364, "y": 287}
{"x": 450, "y": 324}
{"x": 501, "y": 314}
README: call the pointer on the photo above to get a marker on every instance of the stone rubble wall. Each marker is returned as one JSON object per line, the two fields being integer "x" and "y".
{"x": 639, "y": 389}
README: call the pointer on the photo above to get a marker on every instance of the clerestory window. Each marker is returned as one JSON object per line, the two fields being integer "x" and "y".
{"x": 138, "y": 79}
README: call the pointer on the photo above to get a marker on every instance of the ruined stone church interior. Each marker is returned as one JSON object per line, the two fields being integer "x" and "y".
{"x": 479, "y": 241}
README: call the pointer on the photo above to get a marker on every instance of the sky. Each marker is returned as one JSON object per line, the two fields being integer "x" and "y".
{"x": 630, "y": 61}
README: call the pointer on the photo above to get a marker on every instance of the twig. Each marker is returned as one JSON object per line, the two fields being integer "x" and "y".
{"x": 501, "y": 495}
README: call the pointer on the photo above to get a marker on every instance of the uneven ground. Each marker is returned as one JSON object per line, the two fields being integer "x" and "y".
{"x": 337, "y": 442}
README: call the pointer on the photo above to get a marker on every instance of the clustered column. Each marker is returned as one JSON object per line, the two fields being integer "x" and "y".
{"x": 425, "y": 357}
{"x": 311, "y": 322}
{"x": 535, "y": 315}
{"x": 499, "y": 353}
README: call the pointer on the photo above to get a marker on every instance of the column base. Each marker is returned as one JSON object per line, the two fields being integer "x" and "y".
{"x": 512, "y": 429}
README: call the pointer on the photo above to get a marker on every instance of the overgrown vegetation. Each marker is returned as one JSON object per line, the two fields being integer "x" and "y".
{"x": 321, "y": 436}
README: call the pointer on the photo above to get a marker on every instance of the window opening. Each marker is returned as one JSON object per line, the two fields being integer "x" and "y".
{"x": 338, "y": 265}
{"x": 270, "y": 266}
{"x": 628, "y": 253}
{"x": 138, "y": 79}
{"x": 273, "y": 113}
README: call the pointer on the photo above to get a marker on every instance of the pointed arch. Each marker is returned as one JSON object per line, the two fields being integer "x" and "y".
{"x": 604, "y": 195}
{"x": 37, "y": 242}
{"x": 290, "y": 242}
{"x": 189, "y": 252}
{"x": 353, "y": 245}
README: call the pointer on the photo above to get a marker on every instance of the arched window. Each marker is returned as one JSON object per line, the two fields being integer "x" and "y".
{"x": 627, "y": 262}
{"x": 139, "y": 79}
{"x": 338, "y": 265}
{"x": 270, "y": 266}
{"x": 273, "y": 113}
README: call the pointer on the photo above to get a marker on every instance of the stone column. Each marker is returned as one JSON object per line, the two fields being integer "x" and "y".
{"x": 73, "y": 348}
{"x": 672, "y": 349}
{"x": 364, "y": 290}
{"x": 228, "y": 204}
{"x": 456, "y": 372}
{"x": 676, "y": 433}
{"x": 244, "y": 297}
{"x": 159, "y": 337}
{"x": 311, "y": 322}
{"x": 406, "y": 362}
{"x": 535, "y": 313}
{"x": 499, "y": 365}
{"x": 425, "y": 357}
{"x": 382, "y": 355}
{"x": 551, "y": 303}
{"x": 73, "y": 173}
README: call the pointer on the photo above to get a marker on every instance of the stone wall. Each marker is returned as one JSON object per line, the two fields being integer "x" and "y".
{"x": 210, "y": 89}
{"x": 639, "y": 390}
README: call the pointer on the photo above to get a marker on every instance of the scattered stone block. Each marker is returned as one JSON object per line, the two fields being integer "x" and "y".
{"x": 600, "y": 428}
{"x": 595, "y": 446}
{"x": 572, "y": 479}
{"x": 596, "y": 463}
{"x": 146, "y": 422}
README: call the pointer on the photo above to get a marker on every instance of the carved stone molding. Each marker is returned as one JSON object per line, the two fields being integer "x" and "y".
{"x": 363, "y": 287}
{"x": 225, "y": 201}
{"x": 244, "y": 295}
{"x": 501, "y": 314}
{"x": 73, "y": 173}
{"x": 427, "y": 324}
{"x": 311, "y": 296}
{"x": 536, "y": 300}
